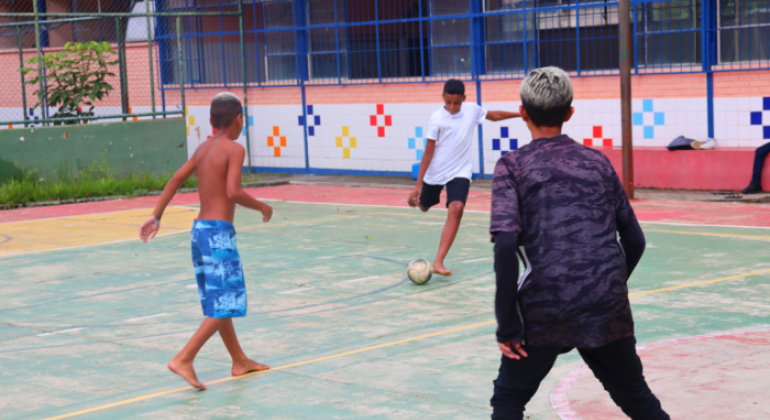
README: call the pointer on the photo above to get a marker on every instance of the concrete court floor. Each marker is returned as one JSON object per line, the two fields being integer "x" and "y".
{"x": 88, "y": 327}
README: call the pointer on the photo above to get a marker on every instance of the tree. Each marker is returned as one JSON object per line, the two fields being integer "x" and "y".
{"x": 74, "y": 77}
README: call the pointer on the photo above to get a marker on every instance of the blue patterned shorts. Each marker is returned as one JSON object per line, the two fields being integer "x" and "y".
{"x": 218, "y": 269}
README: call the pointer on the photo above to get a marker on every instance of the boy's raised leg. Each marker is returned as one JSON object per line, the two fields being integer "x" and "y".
{"x": 241, "y": 364}
{"x": 451, "y": 227}
{"x": 182, "y": 363}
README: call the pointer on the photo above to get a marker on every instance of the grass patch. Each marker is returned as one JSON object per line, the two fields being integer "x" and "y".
{"x": 95, "y": 180}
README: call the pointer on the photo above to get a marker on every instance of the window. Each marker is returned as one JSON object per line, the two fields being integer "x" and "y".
{"x": 279, "y": 46}
{"x": 450, "y": 39}
{"x": 744, "y": 30}
{"x": 328, "y": 45}
{"x": 669, "y": 33}
{"x": 510, "y": 38}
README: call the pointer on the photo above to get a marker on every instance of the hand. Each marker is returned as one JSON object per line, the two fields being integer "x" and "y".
{"x": 267, "y": 213}
{"x": 508, "y": 350}
{"x": 414, "y": 197}
{"x": 149, "y": 229}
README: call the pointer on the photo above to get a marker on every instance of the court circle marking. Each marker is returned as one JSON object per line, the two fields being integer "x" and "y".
{"x": 560, "y": 392}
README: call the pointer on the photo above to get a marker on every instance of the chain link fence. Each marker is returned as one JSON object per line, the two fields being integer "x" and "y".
{"x": 100, "y": 60}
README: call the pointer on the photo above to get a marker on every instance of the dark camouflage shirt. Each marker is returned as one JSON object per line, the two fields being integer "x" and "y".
{"x": 565, "y": 204}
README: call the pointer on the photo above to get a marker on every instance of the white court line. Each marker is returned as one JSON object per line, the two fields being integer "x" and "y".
{"x": 60, "y": 332}
{"x": 478, "y": 259}
{"x": 361, "y": 279}
{"x": 192, "y": 286}
{"x": 487, "y": 212}
{"x": 145, "y": 317}
{"x": 295, "y": 290}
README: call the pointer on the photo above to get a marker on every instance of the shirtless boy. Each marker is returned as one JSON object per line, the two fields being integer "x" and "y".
{"x": 219, "y": 163}
{"x": 447, "y": 161}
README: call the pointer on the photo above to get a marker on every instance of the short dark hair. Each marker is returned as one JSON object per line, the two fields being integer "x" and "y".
{"x": 546, "y": 94}
{"x": 454, "y": 87}
{"x": 225, "y": 108}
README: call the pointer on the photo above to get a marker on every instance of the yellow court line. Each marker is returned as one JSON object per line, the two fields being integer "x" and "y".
{"x": 232, "y": 378}
{"x": 682, "y": 286}
{"x": 365, "y": 349}
{"x": 681, "y": 232}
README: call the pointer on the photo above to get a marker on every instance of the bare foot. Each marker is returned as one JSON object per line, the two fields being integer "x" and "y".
{"x": 186, "y": 371}
{"x": 439, "y": 268}
{"x": 242, "y": 368}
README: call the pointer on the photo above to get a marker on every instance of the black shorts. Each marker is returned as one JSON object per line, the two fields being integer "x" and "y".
{"x": 456, "y": 190}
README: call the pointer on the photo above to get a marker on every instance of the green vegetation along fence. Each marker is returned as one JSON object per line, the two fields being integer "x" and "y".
{"x": 72, "y": 68}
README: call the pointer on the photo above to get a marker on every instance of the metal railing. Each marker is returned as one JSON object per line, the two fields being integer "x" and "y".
{"x": 322, "y": 42}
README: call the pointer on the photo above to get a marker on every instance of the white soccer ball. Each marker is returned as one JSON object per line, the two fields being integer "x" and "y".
{"x": 419, "y": 271}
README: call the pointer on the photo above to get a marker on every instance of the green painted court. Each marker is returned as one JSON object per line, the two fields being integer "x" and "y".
{"x": 86, "y": 332}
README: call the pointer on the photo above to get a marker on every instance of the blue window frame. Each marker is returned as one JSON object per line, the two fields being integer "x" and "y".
{"x": 392, "y": 41}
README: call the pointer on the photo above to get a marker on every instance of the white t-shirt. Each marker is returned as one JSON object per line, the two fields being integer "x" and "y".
{"x": 454, "y": 140}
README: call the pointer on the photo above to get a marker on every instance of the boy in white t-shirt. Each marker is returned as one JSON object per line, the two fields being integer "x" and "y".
{"x": 447, "y": 161}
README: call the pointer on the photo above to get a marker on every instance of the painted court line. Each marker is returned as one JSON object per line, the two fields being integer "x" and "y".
{"x": 87, "y": 245}
{"x": 680, "y": 232}
{"x": 560, "y": 393}
{"x": 477, "y": 259}
{"x": 362, "y": 350}
{"x": 362, "y": 279}
{"x": 295, "y": 290}
{"x": 487, "y": 212}
{"x": 145, "y": 317}
{"x": 61, "y": 332}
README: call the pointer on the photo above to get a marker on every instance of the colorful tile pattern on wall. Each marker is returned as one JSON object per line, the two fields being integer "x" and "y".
{"x": 354, "y": 138}
{"x": 649, "y": 118}
{"x": 418, "y": 143}
{"x": 380, "y": 120}
{"x": 504, "y": 144}
{"x": 313, "y": 121}
{"x": 276, "y": 141}
{"x": 345, "y": 142}
{"x": 762, "y": 118}
{"x": 598, "y": 138}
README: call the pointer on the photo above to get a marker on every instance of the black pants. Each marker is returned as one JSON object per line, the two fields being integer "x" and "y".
{"x": 759, "y": 161}
{"x": 616, "y": 365}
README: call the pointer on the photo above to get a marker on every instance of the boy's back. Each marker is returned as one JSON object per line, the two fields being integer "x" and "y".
{"x": 214, "y": 160}
{"x": 569, "y": 204}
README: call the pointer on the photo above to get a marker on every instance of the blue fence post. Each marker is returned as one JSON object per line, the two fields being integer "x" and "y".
{"x": 377, "y": 39}
{"x": 524, "y": 27}
{"x": 577, "y": 35}
{"x": 634, "y": 33}
{"x": 479, "y": 68}
{"x": 300, "y": 25}
{"x": 708, "y": 53}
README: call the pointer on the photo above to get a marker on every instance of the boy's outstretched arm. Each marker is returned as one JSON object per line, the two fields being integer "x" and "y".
{"x": 151, "y": 226}
{"x": 501, "y": 115}
{"x": 427, "y": 156}
{"x": 234, "y": 190}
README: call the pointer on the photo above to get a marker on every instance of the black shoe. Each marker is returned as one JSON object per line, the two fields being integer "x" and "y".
{"x": 753, "y": 188}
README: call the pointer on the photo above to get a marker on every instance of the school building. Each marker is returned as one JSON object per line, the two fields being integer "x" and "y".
{"x": 348, "y": 86}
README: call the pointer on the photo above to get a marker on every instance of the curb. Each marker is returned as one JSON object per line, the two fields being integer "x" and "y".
{"x": 123, "y": 197}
